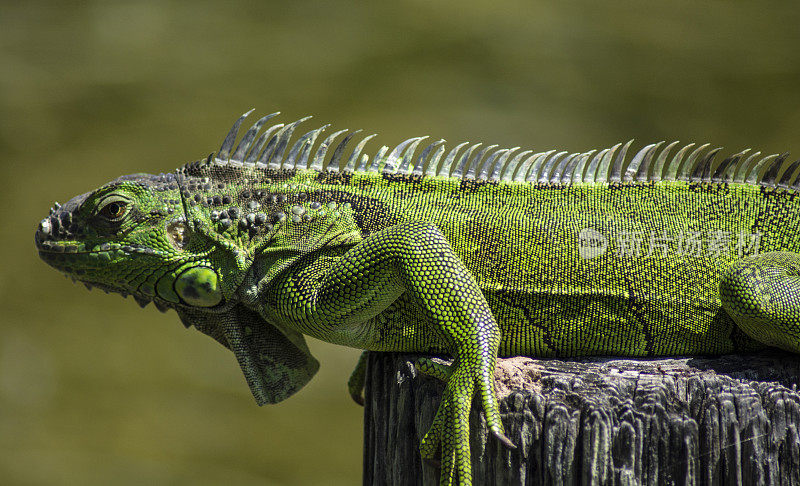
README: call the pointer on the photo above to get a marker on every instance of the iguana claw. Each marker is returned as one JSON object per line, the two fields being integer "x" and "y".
{"x": 504, "y": 439}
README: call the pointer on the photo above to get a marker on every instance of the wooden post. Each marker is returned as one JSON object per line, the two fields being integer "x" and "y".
{"x": 728, "y": 420}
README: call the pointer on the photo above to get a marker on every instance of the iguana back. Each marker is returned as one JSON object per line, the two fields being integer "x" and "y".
{"x": 578, "y": 268}
{"x": 577, "y": 254}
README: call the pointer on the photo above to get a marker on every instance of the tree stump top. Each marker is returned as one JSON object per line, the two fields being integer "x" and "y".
{"x": 686, "y": 420}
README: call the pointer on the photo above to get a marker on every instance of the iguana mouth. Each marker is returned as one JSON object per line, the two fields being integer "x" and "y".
{"x": 55, "y": 248}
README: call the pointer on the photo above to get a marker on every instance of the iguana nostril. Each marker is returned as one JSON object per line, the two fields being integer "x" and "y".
{"x": 45, "y": 227}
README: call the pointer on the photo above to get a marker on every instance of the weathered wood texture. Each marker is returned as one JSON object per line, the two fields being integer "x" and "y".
{"x": 726, "y": 420}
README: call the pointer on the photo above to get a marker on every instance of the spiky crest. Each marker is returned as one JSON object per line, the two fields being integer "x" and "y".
{"x": 650, "y": 163}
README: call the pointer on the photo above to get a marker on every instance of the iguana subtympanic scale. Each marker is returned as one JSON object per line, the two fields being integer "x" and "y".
{"x": 471, "y": 252}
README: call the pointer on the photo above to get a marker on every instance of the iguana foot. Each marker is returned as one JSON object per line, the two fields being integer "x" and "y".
{"x": 449, "y": 432}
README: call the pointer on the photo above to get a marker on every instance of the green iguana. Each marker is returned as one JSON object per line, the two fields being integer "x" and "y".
{"x": 475, "y": 253}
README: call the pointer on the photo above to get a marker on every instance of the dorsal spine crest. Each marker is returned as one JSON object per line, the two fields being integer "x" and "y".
{"x": 651, "y": 163}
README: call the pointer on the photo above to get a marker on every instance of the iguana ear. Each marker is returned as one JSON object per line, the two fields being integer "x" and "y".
{"x": 274, "y": 365}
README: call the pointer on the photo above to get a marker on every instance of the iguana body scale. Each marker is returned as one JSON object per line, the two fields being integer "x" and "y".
{"x": 474, "y": 252}
{"x": 580, "y": 306}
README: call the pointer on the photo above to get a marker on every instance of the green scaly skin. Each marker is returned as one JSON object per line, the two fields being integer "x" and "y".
{"x": 472, "y": 255}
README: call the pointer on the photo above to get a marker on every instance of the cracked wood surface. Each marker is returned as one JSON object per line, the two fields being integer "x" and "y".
{"x": 690, "y": 420}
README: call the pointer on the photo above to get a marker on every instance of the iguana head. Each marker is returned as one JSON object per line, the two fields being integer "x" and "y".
{"x": 187, "y": 239}
{"x": 131, "y": 236}
{"x": 207, "y": 240}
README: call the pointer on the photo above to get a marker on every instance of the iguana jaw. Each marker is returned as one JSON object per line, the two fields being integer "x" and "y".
{"x": 70, "y": 258}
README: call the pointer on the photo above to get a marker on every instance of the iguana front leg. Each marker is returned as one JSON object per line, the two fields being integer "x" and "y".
{"x": 341, "y": 302}
{"x": 762, "y": 295}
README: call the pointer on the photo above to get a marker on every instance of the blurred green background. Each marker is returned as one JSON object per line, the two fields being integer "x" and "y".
{"x": 94, "y": 390}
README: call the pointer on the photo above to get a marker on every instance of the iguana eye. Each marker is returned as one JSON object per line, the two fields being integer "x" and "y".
{"x": 114, "y": 210}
